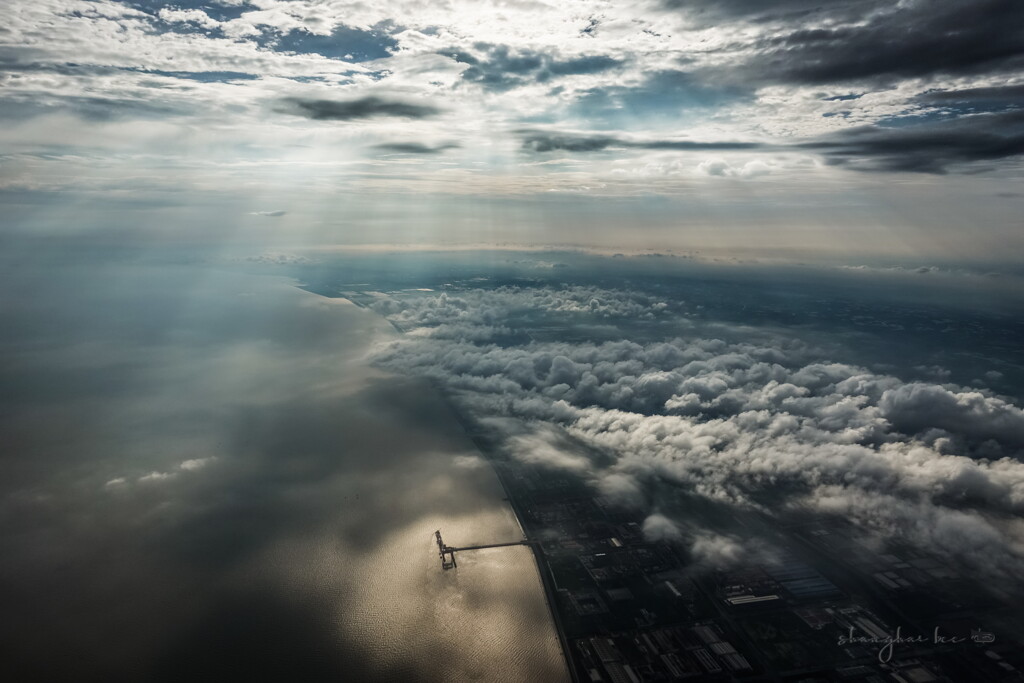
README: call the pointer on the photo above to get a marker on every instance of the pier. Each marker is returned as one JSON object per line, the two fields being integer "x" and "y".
{"x": 447, "y": 552}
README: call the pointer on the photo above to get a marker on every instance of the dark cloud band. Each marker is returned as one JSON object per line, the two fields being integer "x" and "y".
{"x": 544, "y": 141}
{"x": 412, "y": 148}
{"x": 363, "y": 108}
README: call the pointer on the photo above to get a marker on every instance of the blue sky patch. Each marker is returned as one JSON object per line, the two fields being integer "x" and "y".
{"x": 349, "y": 44}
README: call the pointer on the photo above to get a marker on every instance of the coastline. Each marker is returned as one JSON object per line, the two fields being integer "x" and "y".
{"x": 547, "y": 580}
{"x": 540, "y": 560}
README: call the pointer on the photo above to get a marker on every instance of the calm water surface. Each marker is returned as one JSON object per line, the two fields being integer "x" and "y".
{"x": 206, "y": 479}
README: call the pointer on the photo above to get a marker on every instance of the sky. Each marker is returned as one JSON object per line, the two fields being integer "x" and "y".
{"x": 716, "y": 259}
{"x": 797, "y": 129}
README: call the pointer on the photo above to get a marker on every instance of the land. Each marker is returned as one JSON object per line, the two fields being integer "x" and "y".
{"x": 830, "y": 601}
{"x": 826, "y": 608}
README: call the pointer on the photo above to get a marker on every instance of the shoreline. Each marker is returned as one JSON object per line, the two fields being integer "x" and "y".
{"x": 536, "y": 546}
{"x": 540, "y": 560}
{"x": 546, "y": 579}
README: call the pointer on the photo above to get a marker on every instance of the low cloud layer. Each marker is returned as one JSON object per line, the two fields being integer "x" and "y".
{"x": 755, "y": 426}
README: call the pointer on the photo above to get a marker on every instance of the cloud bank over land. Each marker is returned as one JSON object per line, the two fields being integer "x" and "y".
{"x": 773, "y": 426}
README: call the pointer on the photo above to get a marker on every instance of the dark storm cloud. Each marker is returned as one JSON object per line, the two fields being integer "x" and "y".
{"x": 498, "y": 68}
{"x": 351, "y": 110}
{"x": 550, "y": 141}
{"x": 919, "y": 39}
{"x": 413, "y": 148}
{"x": 998, "y": 93}
{"x": 992, "y": 98}
{"x": 709, "y": 11}
{"x": 927, "y": 148}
